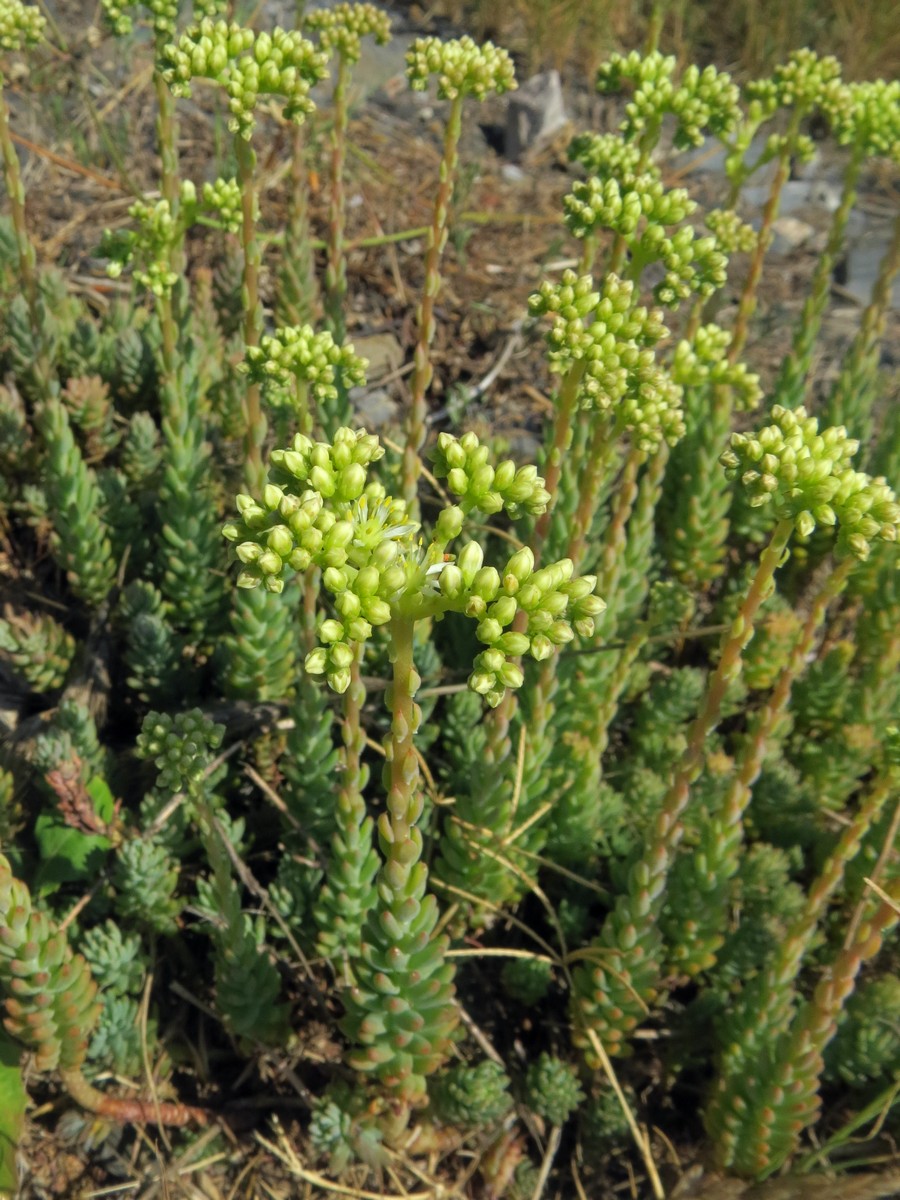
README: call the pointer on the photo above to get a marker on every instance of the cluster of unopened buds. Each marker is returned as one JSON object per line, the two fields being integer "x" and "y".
{"x": 807, "y": 478}
{"x": 615, "y": 340}
{"x": 342, "y": 28}
{"x": 463, "y": 462}
{"x": 731, "y": 233}
{"x": 463, "y": 67}
{"x": 704, "y": 360}
{"x": 300, "y": 353}
{"x": 319, "y": 509}
{"x": 805, "y": 81}
{"x": 706, "y": 99}
{"x": 247, "y": 65}
{"x": 21, "y": 25}
{"x": 557, "y": 605}
{"x": 163, "y": 13}
{"x": 640, "y": 214}
{"x": 607, "y": 156}
{"x": 223, "y": 197}
{"x": 866, "y": 116}
{"x": 148, "y": 247}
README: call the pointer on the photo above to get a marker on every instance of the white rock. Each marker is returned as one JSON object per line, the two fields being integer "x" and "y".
{"x": 789, "y": 233}
{"x": 535, "y": 112}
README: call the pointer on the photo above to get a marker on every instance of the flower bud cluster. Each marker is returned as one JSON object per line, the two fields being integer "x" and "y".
{"x": 706, "y": 99}
{"x": 615, "y": 339}
{"x": 806, "y": 476}
{"x": 246, "y": 65}
{"x": 639, "y": 214}
{"x": 608, "y": 204}
{"x": 462, "y": 66}
{"x": 867, "y": 116}
{"x": 181, "y": 746}
{"x": 149, "y": 246}
{"x": 607, "y": 156}
{"x": 223, "y": 197}
{"x": 21, "y": 25}
{"x": 732, "y": 235}
{"x": 703, "y": 360}
{"x": 695, "y": 266}
{"x": 804, "y": 82}
{"x": 342, "y": 28}
{"x": 317, "y": 510}
{"x": 164, "y": 14}
{"x": 557, "y": 606}
{"x": 293, "y": 528}
{"x": 315, "y": 359}
{"x": 464, "y": 463}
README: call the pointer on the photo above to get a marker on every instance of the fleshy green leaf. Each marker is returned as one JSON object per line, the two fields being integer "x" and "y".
{"x": 13, "y": 1099}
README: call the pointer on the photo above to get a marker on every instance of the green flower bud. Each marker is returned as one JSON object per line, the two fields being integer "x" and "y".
{"x": 449, "y": 524}
{"x": 451, "y": 581}
{"x": 486, "y": 583}
{"x": 331, "y": 631}
{"x": 489, "y": 631}
{"x": 377, "y": 612}
{"x": 469, "y": 561}
{"x": 514, "y": 644}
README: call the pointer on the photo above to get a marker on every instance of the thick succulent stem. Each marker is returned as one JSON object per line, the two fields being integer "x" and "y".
{"x": 612, "y": 559}
{"x": 423, "y": 371}
{"x": 254, "y": 419}
{"x": 348, "y": 892}
{"x": 596, "y": 462}
{"x": 759, "y": 1111}
{"x": 296, "y": 301}
{"x": 401, "y": 1012}
{"x": 736, "y": 639}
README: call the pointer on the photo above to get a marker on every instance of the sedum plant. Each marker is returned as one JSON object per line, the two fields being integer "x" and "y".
{"x": 606, "y": 762}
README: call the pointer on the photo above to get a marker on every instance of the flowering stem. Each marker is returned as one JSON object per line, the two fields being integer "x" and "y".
{"x": 850, "y": 399}
{"x": 668, "y": 827}
{"x": 788, "y": 1100}
{"x": 167, "y": 136}
{"x": 254, "y": 419}
{"x": 790, "y": 386}
{"x": 596, "y": 462}
{"x": 725, "y": 844}
{"x": 561, "y": 441}
{"x": 401, "y": 1012}
{"x": 423, "y": 370}
{"x": 336, "y": 270}
{"x": 12, "y": 177}
{"x": 747, "y": 303}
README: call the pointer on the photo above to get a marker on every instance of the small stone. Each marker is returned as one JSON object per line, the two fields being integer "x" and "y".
{"x": 513, "y": 174}
{"x": 535, "y": 113}
{"x": 789, "y": 234}
{"x": 382, "y": 351}
{"x": 376, "y": 409}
